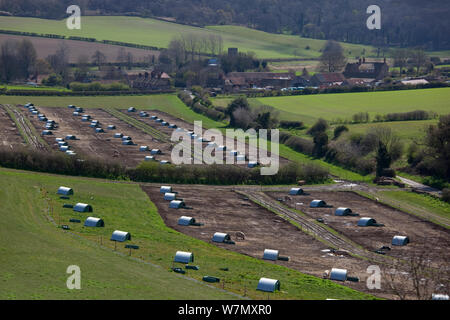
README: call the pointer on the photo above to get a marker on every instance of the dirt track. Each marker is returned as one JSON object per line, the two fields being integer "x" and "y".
{"x": 9, "y": 133}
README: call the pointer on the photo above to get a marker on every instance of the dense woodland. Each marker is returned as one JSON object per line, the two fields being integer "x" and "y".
{"x": 404, "y": 23}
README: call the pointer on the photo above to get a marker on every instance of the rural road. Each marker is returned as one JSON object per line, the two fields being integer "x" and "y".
{"x": 420, "y": 187}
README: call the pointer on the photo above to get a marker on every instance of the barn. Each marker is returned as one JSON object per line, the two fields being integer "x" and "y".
{"x": 176, "y": 204}
{"x": 186, "y": 221}
{"x": 268, "y": 285}
{"x": 65, "y": 191}
{"x": 184, "y": 257}
{"x": 341, "y": 211}
{"x": 82, "y": 207}
{"x": 94, "y": 222}
{"x": 338, "y": 274}
{"x": 120, "y": 236}
{"x": 221, "y": 237}
{"x": 367, "y": 222}
{"x": 296, "y": 191}
{"x": 270, "y": 254}
{"x": 400, "y": 241}
{"x": 317, "y": 204}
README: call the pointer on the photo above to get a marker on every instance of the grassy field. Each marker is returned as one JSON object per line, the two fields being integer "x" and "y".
{"x": 159, "y": 33}
{"x": 35, "y": 253}
{"x": 334, "y": 106}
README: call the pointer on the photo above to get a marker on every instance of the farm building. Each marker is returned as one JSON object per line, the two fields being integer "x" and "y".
{"x": 268, "y": 285}
{"x": 295, "y": 191}
{"x": 118, "y": 135}
{"x": 184, "y": 257}
{"x": 169, "y": 196}
{"x": 149, "y": 158}
{"x": 165, "y": 189}
{"x": 221, "y": 237}
{"x": 400, "y": 241}
{"x": 436, "y": 296}
{"x": 143, "y": 148}
{"x": 155, "y": 151}
{"x": 366, "y": 222}
{"x": 252, "y": 164}
{"x": 338, "y": 274}
{"x": 65, "y": 191}
{"x": 94, "y": 222}
{"x": 176, "y": 204}
{"x": 82, "y": 207}
{"x": 317, "y": 204}
{"x": 186, "y": 221}
{"x": 120, "y": 236}
{"x": 270, "y": 254}
{"x": 341, "y": 211}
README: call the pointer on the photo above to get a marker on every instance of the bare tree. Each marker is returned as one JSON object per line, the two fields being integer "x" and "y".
{"x": 400, "y": 58}
{"x": 332, "y": 58}
{"x": 419, "y": 58}
{"x": 8, "y": 60}
{"x": 27, "y": 56}
{"x": 418, "y": 277}
{"x": 98, "y": 58}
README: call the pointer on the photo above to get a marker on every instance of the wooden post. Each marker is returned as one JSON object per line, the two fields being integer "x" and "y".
{"x": 115, "y": 245}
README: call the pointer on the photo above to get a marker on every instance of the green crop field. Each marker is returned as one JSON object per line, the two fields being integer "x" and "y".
{"x": 309, "y": 108}
{"x": 35, "y": 252}
{"x": 159, "y": 33}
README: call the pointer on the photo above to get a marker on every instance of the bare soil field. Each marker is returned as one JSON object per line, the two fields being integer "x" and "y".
{"x": 103, "y": 145}
{"x": 9, "y": 134}
{"x": 181, "y": 124}
{"x": 220, "y": 209}
{"x": 47, "y": 46}
{"x": 423, "y": 235}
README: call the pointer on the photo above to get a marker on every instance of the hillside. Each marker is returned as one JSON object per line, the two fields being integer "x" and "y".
{"x": 159, "y": 33}
{"x": 31, "y": 245}
{"x": 406, "y": 23}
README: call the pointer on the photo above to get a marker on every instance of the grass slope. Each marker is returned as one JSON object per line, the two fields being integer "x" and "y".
{"x": 159, "y": 33}
{"x": 35, "y": 254}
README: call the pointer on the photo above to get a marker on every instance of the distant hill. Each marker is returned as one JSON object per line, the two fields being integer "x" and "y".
{"x": 405, "y": 23}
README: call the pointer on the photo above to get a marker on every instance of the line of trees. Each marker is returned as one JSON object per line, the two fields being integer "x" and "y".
{"x": 58, "y": 163}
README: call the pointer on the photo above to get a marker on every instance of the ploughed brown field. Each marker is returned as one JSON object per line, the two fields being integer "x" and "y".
{"x": 102, "y": 145}
{"x": 46, "y": 46}
{"x": 423, "y": 235}
{"x": 221, "y": 209}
